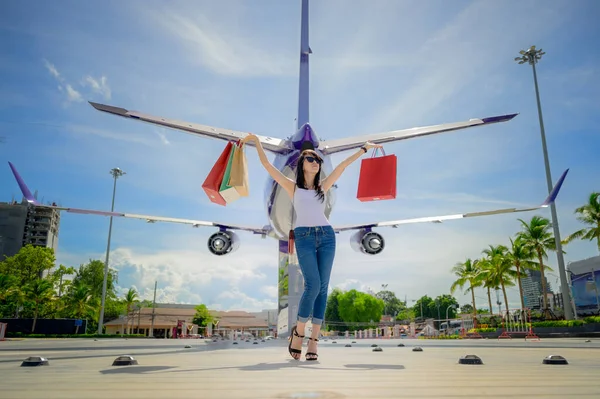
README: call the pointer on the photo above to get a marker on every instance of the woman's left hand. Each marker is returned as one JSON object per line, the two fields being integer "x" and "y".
{"x": 368, "y": 145}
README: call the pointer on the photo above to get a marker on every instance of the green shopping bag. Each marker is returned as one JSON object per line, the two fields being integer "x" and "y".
{"x": 229, "y": 193}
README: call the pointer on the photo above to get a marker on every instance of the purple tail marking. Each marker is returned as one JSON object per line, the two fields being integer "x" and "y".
{"x": 496, "y": 119}
{"x": 554, "y": 193}
{"x": 26, "y": 193}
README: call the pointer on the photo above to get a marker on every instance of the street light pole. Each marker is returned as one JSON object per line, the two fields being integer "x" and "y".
{"x": 116, "y": 173}
{"x": 532, "y": 56}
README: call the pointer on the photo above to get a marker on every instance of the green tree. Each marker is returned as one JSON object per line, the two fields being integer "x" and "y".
{"x": 588, "y": 214}
{"x": 537, "y": 237}
{"x": 8, "y": 284}
{"x": 57, "y": 278}
{"x": 521, "y": 257}
{"x": 466, "y": 308}
{"x": 485, "y": 279}
{"x": 355, "y": 306}
{"x": 29, "y": 264}
{"x": 38, "y": 292}
{"x": 202, "y": 317}
{"x": 130, "y": 299}
{"x": 441, "y": 304}
{"x": 500, "y": 269}
{"x": 406, "y": 315}
{"x": 80, "y": 303}
{"x": 467, "y": 273}
{"x": 422, "y": 308}
{"x": 332, "y": 314}
{"x": 8, "y": 289}
{"x": 92, "y": 275}
{"x": 392, "y": 304}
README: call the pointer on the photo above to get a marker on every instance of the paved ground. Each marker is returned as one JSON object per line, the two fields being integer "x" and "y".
{"x": 512, "y": 369}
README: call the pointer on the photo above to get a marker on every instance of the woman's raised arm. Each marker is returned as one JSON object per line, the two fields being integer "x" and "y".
{"x": 285, "y": 182}
{"x": 337, "y": 172}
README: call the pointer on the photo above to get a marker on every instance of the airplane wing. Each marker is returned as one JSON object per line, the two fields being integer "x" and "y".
{"x": 150, "y": 219}
{"x": 439, "y": 219}
{"x": 336, "y": 145}
{"x": 269, "y": 143}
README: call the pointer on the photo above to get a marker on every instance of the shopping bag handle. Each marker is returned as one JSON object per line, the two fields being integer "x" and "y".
{"x": 375, "y": 152}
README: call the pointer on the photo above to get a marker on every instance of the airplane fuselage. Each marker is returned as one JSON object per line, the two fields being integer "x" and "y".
{"x": 278, "y": 203}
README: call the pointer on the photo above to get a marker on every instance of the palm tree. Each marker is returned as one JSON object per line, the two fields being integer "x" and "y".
{"x": 486, "y": 280}
{"x": 467, "y": 272}
{"x": 130, "y": 299}
{"x": 537, "y": 238}
{"x": 588, "y": 214}
{"x": 38, "y": 291}
{"x": 521, "y": 257}
{"x": 500, "y": 269}
{"x": 8, "y": 284}
{"x": 80, "y": 301}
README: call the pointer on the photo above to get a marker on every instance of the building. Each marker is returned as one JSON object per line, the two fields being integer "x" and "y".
{"x": 174, "y": 320}
{"x": 584, "y": 276}
{"x": 532, "y": 289}
{"x": 23, "y": 223}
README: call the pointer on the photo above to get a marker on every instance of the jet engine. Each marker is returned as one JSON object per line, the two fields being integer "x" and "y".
{"x": 223, "y": 243}
{"x": 367, "y": 242}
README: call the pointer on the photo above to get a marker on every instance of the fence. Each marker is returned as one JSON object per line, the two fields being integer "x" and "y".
{"x": 467, "y": 324}
{"x": 517, "y": 322}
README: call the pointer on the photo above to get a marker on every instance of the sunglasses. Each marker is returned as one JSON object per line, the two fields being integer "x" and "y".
{"x": 313, "y": 159}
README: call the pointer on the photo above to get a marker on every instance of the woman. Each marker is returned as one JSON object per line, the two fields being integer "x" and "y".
{"x": 313, "y": 235}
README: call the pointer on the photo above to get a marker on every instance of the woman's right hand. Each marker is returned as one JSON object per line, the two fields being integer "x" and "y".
{"x": 250, "y": 137}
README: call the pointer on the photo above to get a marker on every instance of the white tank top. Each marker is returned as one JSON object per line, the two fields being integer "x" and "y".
{"x": 310, "y": 211}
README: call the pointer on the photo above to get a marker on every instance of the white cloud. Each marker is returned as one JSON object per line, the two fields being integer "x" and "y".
{"x": 450, "y": 65}
{"x": 52, "y": 69}
{"x": 241, "y": 301}
{"x": 99, "y": 86}
{"x": 189, "y": 275}
{"x": 219, "y": 46}
{"x": 269, "y": 290}
{"x": 162, "y": 136}
{"x": 72, "y": 94}
{"x": 351, "y": 284}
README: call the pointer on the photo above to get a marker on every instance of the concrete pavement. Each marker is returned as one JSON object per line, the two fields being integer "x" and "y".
{"x": 83, "y": 369}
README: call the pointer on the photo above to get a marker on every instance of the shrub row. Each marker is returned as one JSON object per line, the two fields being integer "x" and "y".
{"x": 21, "y": 335}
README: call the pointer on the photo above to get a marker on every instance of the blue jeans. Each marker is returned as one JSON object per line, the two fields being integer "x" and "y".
{"x": 315, "y": 247}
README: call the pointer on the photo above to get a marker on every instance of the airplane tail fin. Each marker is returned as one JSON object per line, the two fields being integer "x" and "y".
{"x": 303, "y": 92}
{"x": 554, "y": 193}
{"x": 24, "y": 189}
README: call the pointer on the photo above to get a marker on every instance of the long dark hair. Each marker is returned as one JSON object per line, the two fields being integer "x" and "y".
{"x": 300, "y": 182}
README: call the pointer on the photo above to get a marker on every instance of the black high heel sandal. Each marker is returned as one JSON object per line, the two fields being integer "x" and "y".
{"x": 292, "y": 350}
{"x": 313, "y": 355}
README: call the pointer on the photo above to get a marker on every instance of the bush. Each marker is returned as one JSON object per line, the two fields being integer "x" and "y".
{"x": 491, "y": 321}
{"x": 482, "y": 330}
{"x": 592, "y": 319}
{"x": 21, "y": 335}
{"x": 559, "y": 323}
{"x": 439, "y": 337}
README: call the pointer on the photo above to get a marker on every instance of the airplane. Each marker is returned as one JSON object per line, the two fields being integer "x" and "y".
{"x": 286, "y": 151}
{"x": 278, "y": 204}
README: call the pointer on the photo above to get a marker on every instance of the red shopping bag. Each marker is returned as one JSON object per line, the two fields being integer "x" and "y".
{"x": 212, "y": 184}
{"x": 377, "y": 179}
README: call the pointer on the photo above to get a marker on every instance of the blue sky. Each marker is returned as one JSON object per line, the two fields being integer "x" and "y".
{"x": 376, "y": 66}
